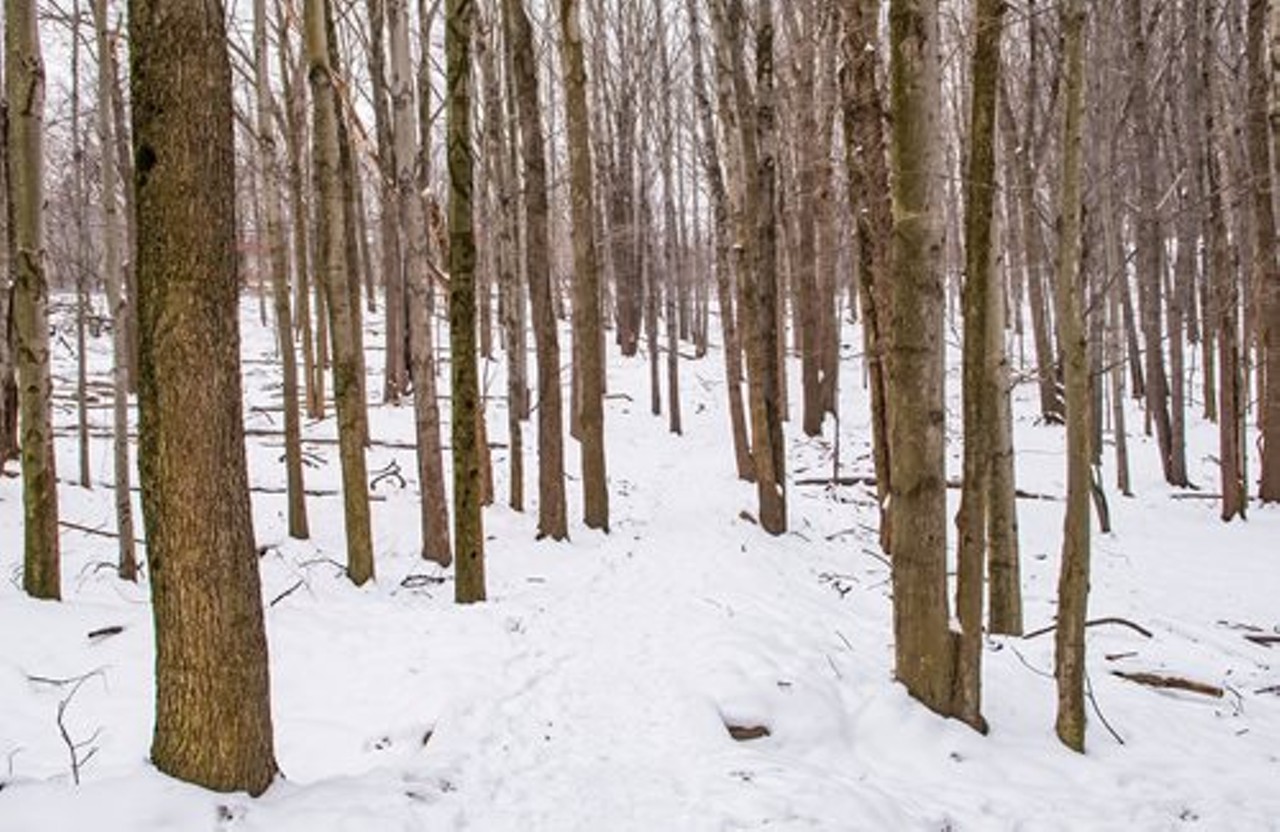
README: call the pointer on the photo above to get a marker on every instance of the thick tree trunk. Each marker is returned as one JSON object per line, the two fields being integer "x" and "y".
{"x": 331, "y": 266}
{"x": 586, "y": 306}
{"x": 213, "y": 705}
{"x": 552, "y": 516}
{"x": 917, "y": 414}
{"x": 24, "y": 90}
{"x": 1073, "y": 580}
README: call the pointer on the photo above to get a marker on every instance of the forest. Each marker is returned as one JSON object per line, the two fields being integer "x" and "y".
{"x": 639, "y": 414}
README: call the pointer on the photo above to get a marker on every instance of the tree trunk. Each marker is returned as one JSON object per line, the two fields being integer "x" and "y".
{"x": 866, "y": 161}
{"x": 723, "y": 264}
{"x": 917, "y": 414}
{"x": 24, "y": 89}
{"x": 757, "y": 260}
{"x": 331, "y": 266}
{"x": 279, "y": 264}
{"x": 8, "y": 385}
{"x": 586, "y": 306}
{"x": 979, "y": 388}
{"x": 213, "y": 705}
{"x": 1222, "y": 276}
{"x": 127, "y": 560}
{"x": 552, "y": 519}
{"x": 1073, "y": 580}
{"x": 1150, "y": 243}
{"x": 1266, "y": 270}
{"x": 468, "y": 530}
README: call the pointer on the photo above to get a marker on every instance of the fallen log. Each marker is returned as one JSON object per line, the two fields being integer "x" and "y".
{"x": 1156, "y": 680}
{"x": 870, "y": 480}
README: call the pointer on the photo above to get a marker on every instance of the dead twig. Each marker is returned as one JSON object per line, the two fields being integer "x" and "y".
{"x": 283, "y": 595}
{"x": 1263, "y": 640}
{"x": 74, "y": 747}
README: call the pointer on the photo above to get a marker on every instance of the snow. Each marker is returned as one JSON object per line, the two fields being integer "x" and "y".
{"x": 592, "y": 690}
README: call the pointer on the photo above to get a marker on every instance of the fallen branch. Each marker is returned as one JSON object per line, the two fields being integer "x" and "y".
{"x": 286, "y": 593}
{"x": 1155, "y": 680}
{"x": 1123, "y": 622}
{"x": 1264, "y": 640}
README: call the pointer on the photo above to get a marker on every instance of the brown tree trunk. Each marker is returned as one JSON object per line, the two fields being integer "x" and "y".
{"x": 279, "y": 264}
{"x": 866, "y": 161}
{"x": 1073, "y": 580}
{"x": 468, "y": 530}
{"x": 331, "y": 266}
{"x": 723, "y": 264}
{"x": 586, "y": 306}
{"x": 979, "y": 389}
{"x": 127, "y": 562}
{"x": 24, "y": 90}
{"x": 917, "y": 415}
{"x": 1222, "y": 276}
{"x": 552, "y": 519}
{"x": 1266, "y": 269}
{"x": 213, "y": 705}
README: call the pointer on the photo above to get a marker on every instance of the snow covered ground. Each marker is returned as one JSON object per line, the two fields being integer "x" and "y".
{"x": 591, "y": 692}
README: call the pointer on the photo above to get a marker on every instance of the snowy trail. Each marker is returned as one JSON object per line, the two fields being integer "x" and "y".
{"x": 591, "y": 692}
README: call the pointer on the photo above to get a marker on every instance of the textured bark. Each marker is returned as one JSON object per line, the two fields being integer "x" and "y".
{"x": 268, "y": 160}
{"x": 1073, "y": 580}
{"x": 552, "y": 515}
{"x": 331, "y": 267}
{"x": 917, "y": 416}
{"x": 1266, "y": 270}
{"x": 866, "y": 160}
{"x": 120, "y": 305}
{"x": 24, "y": 91}
{"x": 586, "y": 306}
{"x": 723, "y": 264}
{"x": 213, "y": 706}
{"x": 468, "y": 530}
{"x": 979, "y": 389}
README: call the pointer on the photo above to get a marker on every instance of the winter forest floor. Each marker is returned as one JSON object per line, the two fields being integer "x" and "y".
{"x": 591, "y": 691}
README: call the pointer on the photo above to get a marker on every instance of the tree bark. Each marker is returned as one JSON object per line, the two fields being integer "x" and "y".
{"x": 866, "y": 161}
{"x": 331, "y": 266}
{"x": 552, "y": 515}
{"x": 468, "y": 530}
{"x": 586, "y": 306}
{"x": 979, "y": 389}
{"x": 917, "y": 415}
{"x": 127, "y": 559}
{"x": 1073, "y": 580}
{"x": 24, "y": 89}
{"x": 213, "y": 706}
